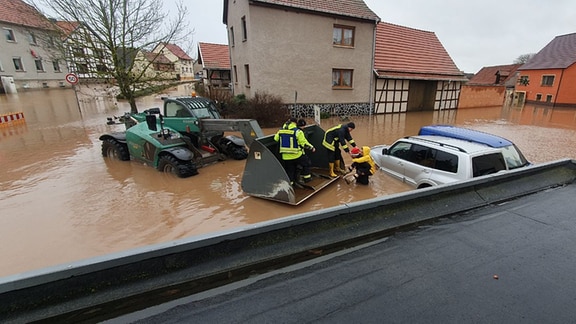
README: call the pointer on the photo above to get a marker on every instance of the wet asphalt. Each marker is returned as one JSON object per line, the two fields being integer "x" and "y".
{"x": 507, "y": 263}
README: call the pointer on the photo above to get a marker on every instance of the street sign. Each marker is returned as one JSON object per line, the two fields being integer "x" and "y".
{"x": 71, "y": 78}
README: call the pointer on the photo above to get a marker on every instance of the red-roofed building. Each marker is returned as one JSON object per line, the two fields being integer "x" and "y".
{"x": 215, "y": 62}
{"x": 24, "y": 61}
{"x": 306, "y": 52}
{"x": 183, "y": 63}
{"x": 413, "y": 71}
{"x": 490, "y": 87}
{"x": 549, "y": 77}
{"x": 339, "y": 56}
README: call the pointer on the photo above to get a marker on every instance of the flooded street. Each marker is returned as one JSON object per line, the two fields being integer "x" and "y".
{"x": 60, "y": 201}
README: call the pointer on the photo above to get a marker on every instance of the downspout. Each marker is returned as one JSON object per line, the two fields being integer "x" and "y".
{"x": 558, "y": 89}
{"x": 371, "y": 100}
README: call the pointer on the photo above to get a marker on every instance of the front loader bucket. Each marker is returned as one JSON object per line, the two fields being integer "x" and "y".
{"x": 265, "y": 177}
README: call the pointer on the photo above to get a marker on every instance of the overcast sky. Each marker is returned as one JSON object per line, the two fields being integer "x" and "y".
{"x": 475, "y": 33}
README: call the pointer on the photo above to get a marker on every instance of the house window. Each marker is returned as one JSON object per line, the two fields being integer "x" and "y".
{"x": 547, "y": 80}
{"x": 342, "y": 78}
{"x": 39, "y": 65}
{"x": 235, "y": 74}
{"x": 232, "y": 36}
{"x": 343, "y": 35}
{"x": 524, "y": 80}
{"x": 18, "y": 64}
{"x": 9, "y": 35}
{"x": 244, "y": 30}
{"x": 548, "y": 98}
{"x": 538, "y": 96}
{"x": 32, "y": 39}
{"x": 78, "y": 51}
{"x": 56, "y": 66}
{"x": 247, "y": 70}
{"x": 1, "y": 67}
{"x": 82, "y": 67}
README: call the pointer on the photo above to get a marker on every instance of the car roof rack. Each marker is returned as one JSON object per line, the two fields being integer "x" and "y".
{"x": 454, "y": 147}
{"x": 465, "y": 134}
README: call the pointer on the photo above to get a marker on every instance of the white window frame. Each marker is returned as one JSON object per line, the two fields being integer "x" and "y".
{"x": 8, "y": 32}
{"x": 39, "y": 65}
{"x": 23, "y": 69}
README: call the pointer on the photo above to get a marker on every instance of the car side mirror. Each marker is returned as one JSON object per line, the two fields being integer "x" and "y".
{"x": 384, "y": 151}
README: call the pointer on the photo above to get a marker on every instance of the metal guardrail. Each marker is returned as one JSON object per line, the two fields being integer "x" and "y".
{"x": 108, "y": 286}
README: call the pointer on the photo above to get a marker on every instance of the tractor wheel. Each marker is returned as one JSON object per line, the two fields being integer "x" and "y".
{"x": 182, "y": 169}
{"x": 114, "y": 149}
{"x": 232, "y": 150}
{"x": 237, "y": 152}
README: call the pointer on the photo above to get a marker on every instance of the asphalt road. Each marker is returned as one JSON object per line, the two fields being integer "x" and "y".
{"x": 511, "y": 263}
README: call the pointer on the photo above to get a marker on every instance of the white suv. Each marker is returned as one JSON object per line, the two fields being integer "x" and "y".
{"x": 430, "y": 159}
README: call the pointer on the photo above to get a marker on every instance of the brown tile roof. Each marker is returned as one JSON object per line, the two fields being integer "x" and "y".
{"x": 67, "y": 27}
{"x": 413, "y": 53}
{"x": 489, "y": 75}
{"x": 176, "y": 50}
{"x": 347, "y": 8}
{"x": 213, "y": 56}
{"x": 17, "y": 12}
{"x": 156, "y": 57}
{"x": 560, "y": 53}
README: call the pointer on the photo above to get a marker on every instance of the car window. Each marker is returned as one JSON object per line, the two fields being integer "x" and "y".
{"x": 421, "y": 155}
{"x": 446, "y": 161}
{"x": 400, "y": 150}
{"x": 513, "y": 157}
{"x": 487, "y": 164}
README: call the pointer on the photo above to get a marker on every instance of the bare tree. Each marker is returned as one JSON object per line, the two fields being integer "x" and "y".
{"x": 523, "y": 58}
{"x": 121, "y": 34}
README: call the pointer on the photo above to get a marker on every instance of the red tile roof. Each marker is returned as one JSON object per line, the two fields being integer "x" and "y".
{"x": 176, "y": 50}
{"x": 414, "y": 53}
{"x": 17, "y": 12}
{"x": 489, "y": 75}
{"x": 67, "y": 27}
{"x": 156, "y": 57}
{"x": 560, "y": 53}
{"x": 213, "y": 56}
{"x": 348, "y": 8}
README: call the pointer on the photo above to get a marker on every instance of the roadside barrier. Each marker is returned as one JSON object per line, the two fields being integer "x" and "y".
{"x": 12, "y": 118}
{"x": 97, "y": 289}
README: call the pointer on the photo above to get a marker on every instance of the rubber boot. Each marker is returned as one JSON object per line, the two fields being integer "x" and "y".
{"x": 331, "y": 168}
{"x": 337, "y": 167}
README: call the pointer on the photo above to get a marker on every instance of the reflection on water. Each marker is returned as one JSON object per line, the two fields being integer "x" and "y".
{"x": 61, "y": 201}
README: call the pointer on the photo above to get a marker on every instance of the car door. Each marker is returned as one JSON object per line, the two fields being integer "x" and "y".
{"x": 417, "y": 168}
{"x": 394, "y": 160}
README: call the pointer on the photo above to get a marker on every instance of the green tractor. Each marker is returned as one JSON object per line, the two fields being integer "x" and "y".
{"x": 191, "y": 135}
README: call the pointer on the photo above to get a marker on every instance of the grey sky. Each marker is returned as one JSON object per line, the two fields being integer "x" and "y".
{"x": 475, "y": 33}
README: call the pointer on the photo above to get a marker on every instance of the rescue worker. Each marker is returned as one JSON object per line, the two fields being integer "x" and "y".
{"x": 333, "y": 139}
{"x": 292, "y": 143}
{"x": 364, "y": 165}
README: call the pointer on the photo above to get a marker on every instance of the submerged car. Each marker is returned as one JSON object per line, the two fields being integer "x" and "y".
{"x": 442, "y": 154}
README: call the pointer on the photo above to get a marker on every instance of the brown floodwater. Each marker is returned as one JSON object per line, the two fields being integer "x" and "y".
{"x": 60, "y": 201}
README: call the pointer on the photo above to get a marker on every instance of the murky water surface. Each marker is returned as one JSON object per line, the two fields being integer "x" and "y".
{"x": 60, "y": 201}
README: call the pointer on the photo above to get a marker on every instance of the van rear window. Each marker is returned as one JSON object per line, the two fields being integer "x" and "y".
{"x": 488, "y": 164}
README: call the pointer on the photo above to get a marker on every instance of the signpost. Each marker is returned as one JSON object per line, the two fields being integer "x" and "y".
{"x": 71, "y": 78}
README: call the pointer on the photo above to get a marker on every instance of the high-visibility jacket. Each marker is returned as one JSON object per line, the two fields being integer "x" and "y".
{"x": 338, "y": 135}
{"x": 292, "y": 142}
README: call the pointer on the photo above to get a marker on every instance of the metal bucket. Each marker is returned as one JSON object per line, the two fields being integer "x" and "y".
{"x": 265, "y": 177}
